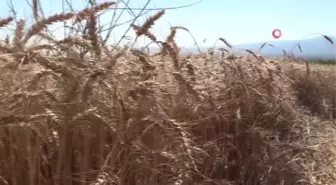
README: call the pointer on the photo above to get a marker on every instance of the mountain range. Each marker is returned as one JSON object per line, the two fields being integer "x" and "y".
{"x": 316, "y": 48}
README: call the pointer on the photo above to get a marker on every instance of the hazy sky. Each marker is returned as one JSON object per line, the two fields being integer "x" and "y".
{"x": 236, "y": 20}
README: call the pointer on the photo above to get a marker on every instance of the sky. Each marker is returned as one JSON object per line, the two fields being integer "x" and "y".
{"x": 237, "y": 21}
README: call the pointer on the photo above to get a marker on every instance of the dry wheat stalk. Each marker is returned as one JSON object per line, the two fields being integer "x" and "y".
{"x": 5, "y": 48}
{"x": 92, "y": 27}
{"x": 85, "y": 13}
{"x": 226, "y": 42}
{"x": 148, "y": 34}
{"x": 141, "y": 30}
{"x": 17, "y": 40}
{"x": 307, "y": 67}
{"x": 170, "y": 39}
{"x": 35, "y": 10}
{"x": 171, "y": 35}
{"x": 191, "y": 71}
{"x": 142, "y": 57}
{"x": 328, "y": 39}
{"x": 183, "y": 82}
{"x": 86, "y": 89}
{"x": 6, "y": 59}
{"x": 284, "y": 52}
{"x": 56, "y": 68}
{"x": 187, "y": 146}
{"x": 223, "y": 50}
{"x": 299, "y": 46}
{"x": 6, "y": 21}
{"x": 41, "y": 47}
{"x": 260, "y": 58}
{"x": 64, "y": 44}
{"x": 151, "y": 36}
{"x": 40, "y": 25}
{"x": 263, "y": 45}
{"x": 7, "y": 39}
{"x": 74, "y": 40}
{"x": 172, "y": 53}
{"x": 112, "y": 61}
{"x": 192, "y": 36}
{"x": 181, "y": 28}
{"x": 147, "y": 69}
{"x": 47, "y": 37}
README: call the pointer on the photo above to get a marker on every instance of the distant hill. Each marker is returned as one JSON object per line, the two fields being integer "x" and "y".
{"x": 316, "y": 48}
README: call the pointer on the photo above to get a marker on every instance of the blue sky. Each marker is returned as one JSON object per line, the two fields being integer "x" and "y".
{"x": 236, "y": 20}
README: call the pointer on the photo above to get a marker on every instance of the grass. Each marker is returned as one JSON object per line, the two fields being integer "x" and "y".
{"x": 77, "y": 111}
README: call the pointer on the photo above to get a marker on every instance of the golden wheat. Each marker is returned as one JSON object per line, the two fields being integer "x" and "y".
{"x": 141, "y": 30}
{"x": 18, "y": 36}
{"x": 92, "y": 27}
{"x": 170, "y": 38}
{"x": 226, "y": 42}
{"x": 6, "y": 21}
{"x": 85, "y": 13}
{"x": 39, "y": 26}
{"x": 35, "y": 10}
{"x": 119, "y": 118}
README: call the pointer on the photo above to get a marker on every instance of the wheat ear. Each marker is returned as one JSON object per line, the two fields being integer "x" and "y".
{"x": 93, "y": 34}
{"x": 192, "y": 36}
{"x": 328, "y": 39}
{"x": 142, "y": 30}
{"x": 170, "y": 38}
{"x": 5, "y": 21}
{"x": 226, "y": 42}
{"x": 83, "y": 14}
{"x": 17, "y": 40}
{"x": 40, "y": 25}
{"x": 262, "y": 46}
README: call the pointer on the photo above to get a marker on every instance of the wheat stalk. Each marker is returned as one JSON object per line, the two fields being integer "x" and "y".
{"x": 83, "y": 14}
{"x": 192, "y": 36}
{"x": 328, "y": 39}
{"x": 40, "y": 25}
{"x": 17, "y": 40}
{"x": 35, "y": 10}
{"x": 6, "y": 21}
{"x": 92, "y": 27}
{"x": 148, "y": 34}
{"x": 225, "y": 42}
{"x": 299, "y": 46}
{"x": 170, "y": 38}
{"x": 256, "y": 56}
{"x": 141, "y": 30}
{"x": 262, "y": 46}
{"x": 172, "y": 53}
{"x": 5, "y": 48}
{"x": 74, "y": 41}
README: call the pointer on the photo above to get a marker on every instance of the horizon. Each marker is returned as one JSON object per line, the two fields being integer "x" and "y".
{"x": 260, "y": 17}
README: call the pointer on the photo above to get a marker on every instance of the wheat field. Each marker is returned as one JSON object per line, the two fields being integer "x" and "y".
{"x": 79, "y": 111}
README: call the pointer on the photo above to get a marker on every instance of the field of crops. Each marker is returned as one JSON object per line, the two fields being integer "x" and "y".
{"x": 79, "y": 110}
